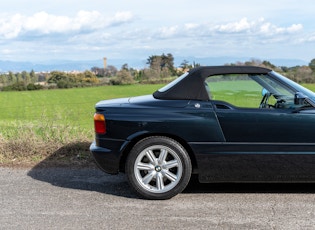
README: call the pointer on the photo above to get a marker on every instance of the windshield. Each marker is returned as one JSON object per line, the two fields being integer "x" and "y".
{"x": 273, "y": 86}
{"x": 298, "y": 88}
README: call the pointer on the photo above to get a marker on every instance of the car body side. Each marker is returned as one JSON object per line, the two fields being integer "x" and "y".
{"x": 212, "y": 137}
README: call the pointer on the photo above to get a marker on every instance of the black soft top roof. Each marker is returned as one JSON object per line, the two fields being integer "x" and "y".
{"x": 192, "y": 87}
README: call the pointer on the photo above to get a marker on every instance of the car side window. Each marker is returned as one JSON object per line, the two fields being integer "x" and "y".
{"x": 237, "y": 89}
{"x": 245, "y": 90}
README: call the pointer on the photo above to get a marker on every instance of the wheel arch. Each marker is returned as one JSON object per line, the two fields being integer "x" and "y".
{"x": 135, "y": 140}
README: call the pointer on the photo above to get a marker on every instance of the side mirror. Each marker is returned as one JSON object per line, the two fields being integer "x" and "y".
{"x": 299, "y": 98}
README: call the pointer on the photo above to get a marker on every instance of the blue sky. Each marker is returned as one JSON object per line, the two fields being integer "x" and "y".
{"x": 39, "y": 30}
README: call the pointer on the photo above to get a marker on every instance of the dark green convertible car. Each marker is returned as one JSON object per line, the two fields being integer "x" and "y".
{"x": 222, "y": 123}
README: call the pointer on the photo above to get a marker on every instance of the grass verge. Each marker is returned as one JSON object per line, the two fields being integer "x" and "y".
{"x": 45, "y": 145}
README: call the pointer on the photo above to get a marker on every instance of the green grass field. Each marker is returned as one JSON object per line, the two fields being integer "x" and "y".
{"x": 70, "y": 107}
{"x": 236, "y": 93}
{"x": 310, "y": 86}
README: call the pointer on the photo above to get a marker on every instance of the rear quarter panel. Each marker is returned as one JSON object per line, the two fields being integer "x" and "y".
{"x": 185, "y": 121}
{"x": 190, "y": 123}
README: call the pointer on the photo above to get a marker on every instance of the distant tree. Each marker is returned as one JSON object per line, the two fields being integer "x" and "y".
{"x": 157, "y": 62}
{"x": 26, "y": 77}
{"x": 3, "y": 79}
{"x": 110, "y": 71}
{"x": 88, "y": 74}
{"x": 56, "y": 76}
{"x": 304, "y": 74}
{"x": 63, "y": 84}
{"x": 253, "y": 62}
{"x": 34, "y": 77}
{"x": 11, "y": 78}
{"x": 151, "y": 59}
{"x": 195, "y": 65}
{"x": 123, "y": 77}
{"x": 312, "y": 65}
{"x": 150, "y": 74}
{"x": 165, "y": 73}
{"x": 19, "y": 78}
{"x": 268, "y": 65}
{"x": 41, "y": 77}
{"x": 32, "y": 86}
{"x": 17, "y": 86}
{"x": 185, "y": 65}
{"x": 168, "y": 62}
{"x": 89, "y": 77}
{"x": 136, "y": 75}
{"x": 284, "y": 68}
{"x": 125, "y": 67}
{"x": 99, "y": 72}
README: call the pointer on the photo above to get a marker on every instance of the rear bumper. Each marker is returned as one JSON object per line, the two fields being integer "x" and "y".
{"x": 106, "y": 159}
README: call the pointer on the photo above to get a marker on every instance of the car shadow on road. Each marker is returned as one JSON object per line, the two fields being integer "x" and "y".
{"x": 93, "y": 179}
{"x": 88, "y": 179}
{"x": 72, "y": 166}
{"x": 195, "y": 187}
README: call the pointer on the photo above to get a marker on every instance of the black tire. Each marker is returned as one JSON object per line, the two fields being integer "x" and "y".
{"x": 158, "y": 168}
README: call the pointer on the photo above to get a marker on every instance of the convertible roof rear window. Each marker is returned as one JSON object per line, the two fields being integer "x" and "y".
{"x": 171, "y": 84}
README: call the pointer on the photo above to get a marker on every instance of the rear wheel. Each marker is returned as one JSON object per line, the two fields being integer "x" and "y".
{"x": 158, "y": 168}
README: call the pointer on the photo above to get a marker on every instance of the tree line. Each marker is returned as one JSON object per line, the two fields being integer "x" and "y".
{"x": 160, "y": 69}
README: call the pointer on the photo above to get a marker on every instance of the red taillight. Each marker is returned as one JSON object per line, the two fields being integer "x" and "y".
{"x": 99, "y": 123}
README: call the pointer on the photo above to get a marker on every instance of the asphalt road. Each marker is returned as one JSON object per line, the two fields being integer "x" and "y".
{"x": 61, "y": 198}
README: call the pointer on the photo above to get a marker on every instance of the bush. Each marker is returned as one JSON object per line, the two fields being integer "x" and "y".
{"x": 19, "y": 86}
{"x": 123, "y": 78}
{"x": 32, "y": 86}
{"x": 62, "y": 84}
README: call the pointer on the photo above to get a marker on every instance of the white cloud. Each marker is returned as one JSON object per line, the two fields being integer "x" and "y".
{"x": 10, "y": 28}
{"x": 44, "y": 23}
{"x": 6, "y": 51}
{"x": 307, "y": 39}
{"x": 295, "y": 28}
{"x": 167, "y": 32}
{"x": 242, "y": 25}
{"x": 87, "y": 18}
{"x": 190, "y": 26}
{"x": 268, "y": 29}
{"x": 244, "y": 30}
{"x": 258, "y": 27}
{"x": 121, "y": 17}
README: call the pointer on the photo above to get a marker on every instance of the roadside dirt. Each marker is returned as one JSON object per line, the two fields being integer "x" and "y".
{"x": 70, "y": 155}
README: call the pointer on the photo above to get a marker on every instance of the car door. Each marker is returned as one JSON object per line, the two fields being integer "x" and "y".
{"x": 274, "y": 144}
{"x": 281, "y": 126}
